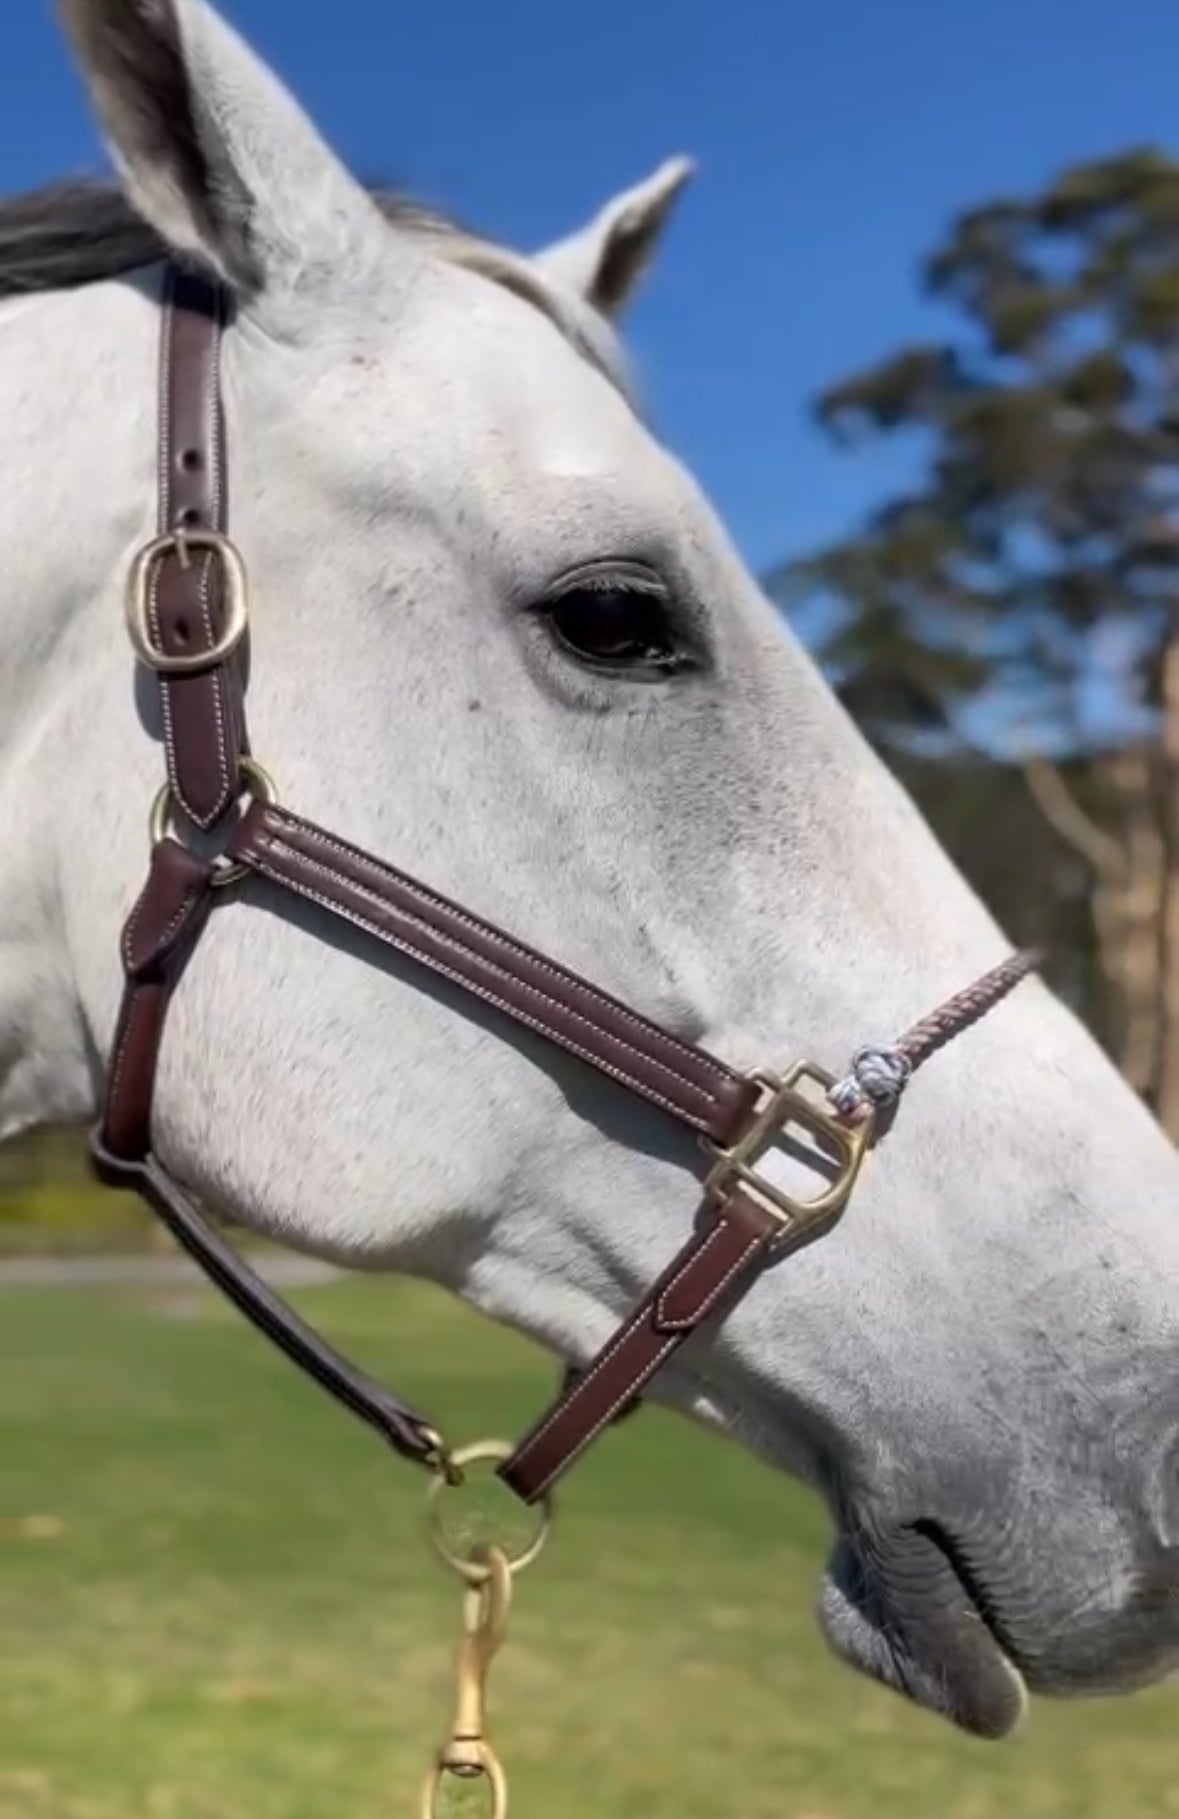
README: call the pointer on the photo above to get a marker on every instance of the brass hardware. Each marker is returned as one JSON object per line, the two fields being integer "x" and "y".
{"x": 137, "y": 606}
{"x": 467, "y": 1752}
{"x": 488, "y": 1571}
{"x": 439, "y": 1458}
{"x": 468, "y": 1566}
{"x": 782, "y": 1105}
{"x": 262, "y": 788}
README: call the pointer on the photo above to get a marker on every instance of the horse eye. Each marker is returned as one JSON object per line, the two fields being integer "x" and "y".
{"x": 612, "y": 626}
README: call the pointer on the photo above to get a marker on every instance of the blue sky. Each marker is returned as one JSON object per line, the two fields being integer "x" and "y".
{"x": 834, "y": 142}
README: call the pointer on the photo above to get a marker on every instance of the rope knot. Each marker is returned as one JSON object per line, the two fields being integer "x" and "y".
{"x": 878, "y": 1076}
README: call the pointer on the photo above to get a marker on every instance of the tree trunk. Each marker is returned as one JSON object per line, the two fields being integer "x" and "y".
{"x": 1166, "y": 1096}
{"x": 1127, "y": 913}
{"x": 1126, "y": 861}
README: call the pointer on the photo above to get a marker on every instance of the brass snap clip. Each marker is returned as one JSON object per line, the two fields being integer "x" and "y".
{"x": 467, "y": 1752}
{"x": 487, "y": 1570}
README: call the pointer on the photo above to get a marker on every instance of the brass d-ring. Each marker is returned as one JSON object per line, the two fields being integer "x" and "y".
{"x": 482, "y": 1452}
{"x": 262, "y": 788}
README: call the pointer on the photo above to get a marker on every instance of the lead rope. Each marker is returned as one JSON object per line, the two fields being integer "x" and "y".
{"x": 880, "y": 1072}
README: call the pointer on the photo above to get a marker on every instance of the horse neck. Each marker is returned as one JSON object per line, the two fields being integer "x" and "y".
{"x": 76, "y": 396}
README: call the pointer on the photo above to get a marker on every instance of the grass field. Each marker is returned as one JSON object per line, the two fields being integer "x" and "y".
{"x": 219, "y": 1603}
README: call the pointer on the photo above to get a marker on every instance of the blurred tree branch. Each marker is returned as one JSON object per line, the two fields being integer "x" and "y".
{"x": 1017, "y": 606}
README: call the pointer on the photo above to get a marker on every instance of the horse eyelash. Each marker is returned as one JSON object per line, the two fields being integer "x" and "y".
{"x": 610, "y": 581}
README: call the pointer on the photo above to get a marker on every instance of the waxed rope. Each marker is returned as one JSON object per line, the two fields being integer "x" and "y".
{"x": 880, "y": 1072}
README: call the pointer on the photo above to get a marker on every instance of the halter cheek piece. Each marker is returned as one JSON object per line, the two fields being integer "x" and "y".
{"x": 187, "y": 618}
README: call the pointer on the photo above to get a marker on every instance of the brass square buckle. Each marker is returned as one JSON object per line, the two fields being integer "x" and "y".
{"x": 783, "y": 1105}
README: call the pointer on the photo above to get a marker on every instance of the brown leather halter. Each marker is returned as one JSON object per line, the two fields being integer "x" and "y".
{"x": 187, "y": 616}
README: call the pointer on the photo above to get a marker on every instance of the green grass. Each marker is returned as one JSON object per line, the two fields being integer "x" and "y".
{"x": 51, "y": 1205}
{"x": 219, "y": 1603}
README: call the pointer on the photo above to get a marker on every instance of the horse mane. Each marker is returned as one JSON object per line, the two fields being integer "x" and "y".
{"x": 83, "y": 230}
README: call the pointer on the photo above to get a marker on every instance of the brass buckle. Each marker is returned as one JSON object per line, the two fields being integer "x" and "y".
{"x": 137, "y": 606}
{"x": 782, "y": 1105}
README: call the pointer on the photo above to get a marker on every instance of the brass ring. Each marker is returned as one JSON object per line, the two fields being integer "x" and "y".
{"x": 137, "y": 605}
{"x": 225, "y": 871}
{"x": 480, "y": 1453}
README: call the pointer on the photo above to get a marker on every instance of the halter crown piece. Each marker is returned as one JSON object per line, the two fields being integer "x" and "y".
{"x": 187, "y": 612}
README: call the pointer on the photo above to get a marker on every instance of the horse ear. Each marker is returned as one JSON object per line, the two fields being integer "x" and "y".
{"x": 603, "y": 261}
{"x": 213, "y": 151}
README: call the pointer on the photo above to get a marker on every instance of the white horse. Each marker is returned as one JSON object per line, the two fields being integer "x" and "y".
{"x": 499, "y": 637}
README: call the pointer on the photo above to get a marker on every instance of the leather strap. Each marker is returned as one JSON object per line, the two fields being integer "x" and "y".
{"x": 407, "y": 1432}
{"x": 713, "y": 1268}
{"x": 688, "y": 1083}
{"x": 204, "y": 726}
{"x": 157, "y": 939}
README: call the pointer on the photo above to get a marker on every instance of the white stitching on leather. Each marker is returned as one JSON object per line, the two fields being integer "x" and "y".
{"x": 663, "y": 1318}
{"x": 593, "y": 1432}
{"x": 620, "y": 1339}
{"x": 258, "y": 863}
{"x": 516, "y": 949}
{"x": 112, "y": 1097}
{"x": 449, "y": 941}
{"x": 166, "y": 524}
{"x": 164, "y": 473}
{"x": 213, "y": 440}
{"x": 128, "y": 942}
{"x": 649, "y": 1368}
